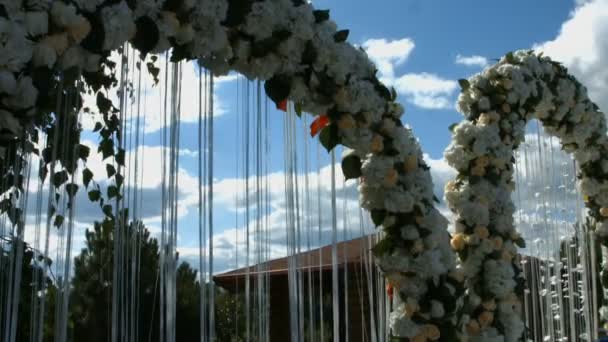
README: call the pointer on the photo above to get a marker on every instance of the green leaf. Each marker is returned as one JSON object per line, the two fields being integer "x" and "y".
{"x": 120, "y": 157}
{"x": 298, "y": 109}
{"x": 329, "y": 137}
{"x": 98, "y": 127}
{"x": 520, "y": 242}
{"x": 383, "y": 247}
{"x": 58, "y": 221}
{"x": 71, "y": 189}
{"x": 94, "y": 195}
{"x": 321, "y": 15}
{"x": 351, "y": 166}
{"x": 278, "y": 88}
{"x": 103, "y": 103}
{"x": 107, "y": 210}
{"x": 112, "y": 191}
{"x": 452, "y": 127}
{"x": 510, "y": 57}
{"x": 83, "y": 152}
{"x": 110, "y": 170}
{"x": 378, "y": 216}
{"x": 341, "y": 36}
{"x": 106, "y": 147}
{"x": 59, "y": 178}
{"x": 119, "y": 179}
{"x": 464, "y": 84}
{"x": 87, "y": 176}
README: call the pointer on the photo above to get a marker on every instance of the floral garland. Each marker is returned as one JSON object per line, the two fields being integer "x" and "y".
{"x": 497, "y": 104}
{"x": 302, "y": 57}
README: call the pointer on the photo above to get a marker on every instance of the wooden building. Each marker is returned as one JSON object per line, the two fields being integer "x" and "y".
{"x": 359, "y": 286}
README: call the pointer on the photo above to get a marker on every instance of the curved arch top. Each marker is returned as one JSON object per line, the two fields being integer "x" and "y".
{"x": 497, "y": 104}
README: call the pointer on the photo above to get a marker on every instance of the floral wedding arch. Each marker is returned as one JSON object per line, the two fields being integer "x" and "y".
{"x": 497, "y": 104}
{"x": 55, "y": 51}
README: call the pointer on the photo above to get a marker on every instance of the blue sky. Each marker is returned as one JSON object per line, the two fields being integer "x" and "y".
{"x": 422, "y": 48}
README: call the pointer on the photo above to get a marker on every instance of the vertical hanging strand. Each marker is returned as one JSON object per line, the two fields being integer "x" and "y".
{"x": 320, "y": 243}
{"x": 210, "y": 204}
{"x": 201, "y": 214}
{"x": 247, "y": 219}
{"x": 334, "y": 252}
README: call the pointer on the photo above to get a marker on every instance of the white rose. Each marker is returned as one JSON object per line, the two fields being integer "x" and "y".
{"x": 44, "y": 55}
{"x": 7, "y": 82}
{"x": 73, "y": 57}
{"x": 25, "y": 94}
{"x": 37, "y": 23}
{"x": 9, "y": 122}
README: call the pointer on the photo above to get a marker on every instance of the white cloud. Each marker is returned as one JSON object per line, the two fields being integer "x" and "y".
{"x": 472, "y": 61}
{"x": 581, "y": 45}
{"x": 387, "y": 54}
{"x": 426, "y": 90}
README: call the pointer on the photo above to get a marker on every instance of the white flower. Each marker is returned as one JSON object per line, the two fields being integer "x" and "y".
{"x": 118, "y": 25}
{"x": 7, "y": 82}
{"x": 73, "y": 57}
{"x": 44, "y": 55}
{"x": 37, "y": 23}
{"x": 398, "y": 200}
{"x": 9, "y": 122}
{"x": 25, "y": 94}
{"x": 15, "y": 48}
{"x": 91, "y": 5}
{"x": 64, "y": 15}
{"x": 498, "y": 277}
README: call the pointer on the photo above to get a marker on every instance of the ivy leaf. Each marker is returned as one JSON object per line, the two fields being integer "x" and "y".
{"x": 378, "y": 216}
{"x": 383, "y": 247}
{"x": 106, "y": 147}
{"x": 83, "y": 152}
{"x": 298, "y": 109}
{"x": 341, "y": 36}
{"x": 452, "y": 127}
{"x": 146, "y": 36}
{"x": 87, "y": 176}
{"x": 464, "y": 84}
{"x": 103, "y": 103}
{"x": 107, "y": 210}
{"x": 351, "y": 167}
{"x": 329, "y": 137}
{"x": 58, "y": 221}
{"x": 110, "y": 170}
{"x": 112, "y": 191}
{"x": 120, "y": 157}
{"x": 119, "y": 179}
{"x": 59, "y": 178}
{"x": 510, "y": 57}
{"x": 94, "y": 195}
{"x": 278, "y": 88}
{"x": 71, "y": 189}
{"x": 98, "y": 127}
{"x": 321, "y": 15}
{"x": 520, "y": 242}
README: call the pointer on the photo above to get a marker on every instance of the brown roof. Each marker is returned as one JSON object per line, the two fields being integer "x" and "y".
{"x": 351, "y": 251}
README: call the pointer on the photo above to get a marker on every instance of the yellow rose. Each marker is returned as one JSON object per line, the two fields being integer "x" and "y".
{"x": 411, "y": 163}
{"x": 458, "y": 242}
{"x": 79, "y": 31}
{"x": 482, "y": 232}
{"x": 377, "y": 144}
{"x": 486, "y": 318}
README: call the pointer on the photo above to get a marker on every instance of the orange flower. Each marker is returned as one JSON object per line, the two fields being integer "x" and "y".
{"x": 389, "y": 290}
{"x": 282, "y": 105}
{"x": 320, "y": 122}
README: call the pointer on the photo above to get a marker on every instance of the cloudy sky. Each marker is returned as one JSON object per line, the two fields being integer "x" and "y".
{"x": 421, "y": 47}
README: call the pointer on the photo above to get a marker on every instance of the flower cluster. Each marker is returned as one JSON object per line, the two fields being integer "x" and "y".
{"x": 497, "y": 104}
{"x": 303, "y": 57}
